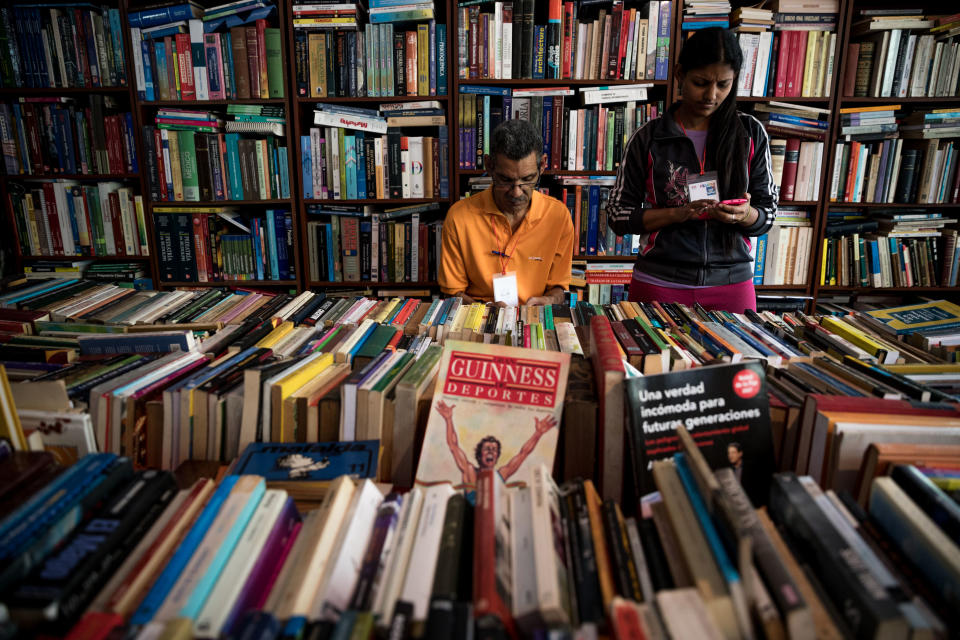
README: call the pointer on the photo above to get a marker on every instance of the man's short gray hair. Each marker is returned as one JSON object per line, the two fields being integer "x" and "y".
{"x": 515, "y": 139}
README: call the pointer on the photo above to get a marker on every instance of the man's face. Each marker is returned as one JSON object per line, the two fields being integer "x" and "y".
{"x": 489, "y": 454}
{"x": 514, "y": 182}
{"x": 734, "y": 455}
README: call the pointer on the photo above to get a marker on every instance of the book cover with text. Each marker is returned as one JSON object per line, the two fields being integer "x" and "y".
{"x": 494, "y": 407}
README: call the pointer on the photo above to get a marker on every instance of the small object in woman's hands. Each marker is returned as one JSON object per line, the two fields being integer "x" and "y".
{"x": 736, "y": 202}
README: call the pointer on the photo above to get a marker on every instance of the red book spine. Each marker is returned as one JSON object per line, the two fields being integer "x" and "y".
{"x": 394, "y": 341}
{"x": 566, "y": 55}
{"x": 625, "y": 31}
{"x": 253, "y": 62}
{"x": 526, "y": 336}
{"x": 487, "y": 602}
{"x": 185, "y": 64}
{"x": 95, "y": 625}
{"x": 629, "y": 345}
{"x": 474, "y": 32}
{"x": 850, "y": 80}
{"x": 115, "y": 217}
{"x": 556, "y": 148}
{"x": 161, "y": 167}
{"x": 262, "y": 57}
{"x": 789, "y": 179}
{"x": 851, "y": 171}
{"x": 798, "y": 61}
{"x": 50, "y": 206}
{"x": 783, "y": 61}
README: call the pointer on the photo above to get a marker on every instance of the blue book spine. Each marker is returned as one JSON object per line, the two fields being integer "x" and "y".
{"x": 327, "y": 227}
{"x": 663, "y": 41}
{"x": 60, "y": 140}
{"x": 280, "y": 245}
{"x": 271, "y": 242}
{"x": 486, "y": 125}
{"x": 116, "y": 39}
{"x": 149, "y": 93}
{"x": 284, "y": 168}
{"x": 306, "y": 157}
{"x": 874, "y": 261}
{"x": 286, "y": 248}
{"x": 74, "y": 229}
{"x": 209, "y": 578}
{"x": 158, "y": 593}
{"x": 133, "y": 164}
{"x": 229, "y": 71}
{"x": 167, "y": 174}
{"x": 233, "y": 166}
{"x": 69, "y": 143}
{"x": 433, "y": 57}
{"x": 804, "y": 122}
{"x": 359, "y": 345}
{"x": 727, "y": 569}
{"x": 443, "y": 148}
{"x": 539, "y": 51}
{"x": 213, "y": 78}
{"x": 361, "y": 165}
{"x": 441, "y": 59}
{"x": 21, "y": 136}
{"x": 163, "y": 15}
{"x": 546, "y": 121}
{"x": 350, "y": 163}
{"x": 257, "y": 248}
{"x": 760, "y": 259}
{"x": 593, "y": 220}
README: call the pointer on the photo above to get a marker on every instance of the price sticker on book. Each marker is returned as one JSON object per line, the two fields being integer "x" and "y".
{"x": 505, "y": 288}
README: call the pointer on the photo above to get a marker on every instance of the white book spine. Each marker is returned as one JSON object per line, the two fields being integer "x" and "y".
{"x": 333, "y": 598}
{"x": 415, "y": 164}
{"x": 199, "y": 71}
{"x": 522, "y": 559}
{"x": 234, "y": 576}
{"x": 506, "y": 37}
{"x": 398, "y": 558}
{"x": 423, "y": 557}
{"x": 498, "y": 40}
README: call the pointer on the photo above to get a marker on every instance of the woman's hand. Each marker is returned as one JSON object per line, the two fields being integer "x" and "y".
{"x": 697, "y": 209}
{"x": 743, "y": 214}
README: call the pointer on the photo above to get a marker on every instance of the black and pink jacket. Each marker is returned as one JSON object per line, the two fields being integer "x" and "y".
{"x": 653, "y": 175}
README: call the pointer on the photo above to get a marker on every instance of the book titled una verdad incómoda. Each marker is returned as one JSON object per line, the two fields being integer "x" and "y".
{"x": 494, "y": 407}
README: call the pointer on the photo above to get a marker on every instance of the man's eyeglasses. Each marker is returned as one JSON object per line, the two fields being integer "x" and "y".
{"x": 499, "y": 183}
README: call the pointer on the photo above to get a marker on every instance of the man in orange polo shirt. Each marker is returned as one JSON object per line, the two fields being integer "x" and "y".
{"x": 511, "y": 228}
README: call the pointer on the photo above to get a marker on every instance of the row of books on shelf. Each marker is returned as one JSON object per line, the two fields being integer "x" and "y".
{"x": 591, "y": 138}
{"x": 188, "y": 159}
{"x": 133, "y": 273}
{"x": 349, "y": 164}
{"x": 64, "y": 218}
{"x": 184, "y": 61}
{"x": 903, "y": 56}
{"x": 896, "y": 171}
{"x": 351, "y": 249}
{"x": 619, "y": 43}
{"x": 898, "y": 249}
{"x": 217, "y": 244}
{"x": 57, "y": 135}
{"x": 782, "y": 255}
{"x": 792, "y": 62}
{"x": 350, "y": 15}
{"x": 62, "y": 47}
{"x": 380, "y": 61}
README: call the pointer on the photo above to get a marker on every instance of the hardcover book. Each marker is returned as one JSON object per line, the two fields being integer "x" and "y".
{"x": 494, "y": 407}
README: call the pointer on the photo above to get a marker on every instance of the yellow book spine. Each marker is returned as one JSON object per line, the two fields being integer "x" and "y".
{"x": 274, "y": 336}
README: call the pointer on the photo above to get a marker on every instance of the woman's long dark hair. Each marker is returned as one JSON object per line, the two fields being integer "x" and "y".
{"x": 727, "y": 139}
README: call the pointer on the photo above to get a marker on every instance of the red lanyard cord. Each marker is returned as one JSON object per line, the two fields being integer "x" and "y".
{"x": 703, "y": 160}
{"x": 502, "y": 253}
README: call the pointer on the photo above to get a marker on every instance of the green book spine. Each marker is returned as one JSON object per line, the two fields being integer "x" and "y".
{"x": 188, "y": 166}
{"x": 271, "y": 37}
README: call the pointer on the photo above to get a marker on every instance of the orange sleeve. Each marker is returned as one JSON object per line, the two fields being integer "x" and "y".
{"x": 452, "y": 273}
{"x": 559, "y": 275}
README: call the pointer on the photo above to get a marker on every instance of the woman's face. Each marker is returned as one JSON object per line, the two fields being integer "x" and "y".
{"x": 704, "y": 88}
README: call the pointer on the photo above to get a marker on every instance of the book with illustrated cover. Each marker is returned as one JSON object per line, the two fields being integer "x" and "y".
{"x": 494, "y": 407}
{"x": 308, "y": 462}
{"x": 936, "y": 315}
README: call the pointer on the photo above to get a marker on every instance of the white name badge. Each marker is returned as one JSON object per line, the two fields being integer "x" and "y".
{"x": 703, "y": 187}
{"x": 505, "y": 288}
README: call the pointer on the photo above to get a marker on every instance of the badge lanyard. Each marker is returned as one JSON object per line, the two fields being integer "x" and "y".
{"x": 703, "y": 160}
{"x": 504, "y": 256}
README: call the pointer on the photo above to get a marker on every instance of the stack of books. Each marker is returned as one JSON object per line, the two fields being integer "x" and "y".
{"x": 64, "y": 218}
{"x": 388, "y": 57}
{"x": 358, "y": 154}
{"x": 193, "y": 156}
{"x": 575, "y": 41}
{"x": 902, "y": 53}
{"x": 62, "y": 47}
{"x": 181, "y": 55}
{"x": 702, "y": 14}
{"x": 213, "y": 244}
{"x": 42, "y": 135}
{"x": 796, "y": 134}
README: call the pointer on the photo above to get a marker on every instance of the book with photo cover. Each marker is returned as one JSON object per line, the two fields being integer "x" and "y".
{"x": 726, "y": 410}
{"x": 494, "y": 407}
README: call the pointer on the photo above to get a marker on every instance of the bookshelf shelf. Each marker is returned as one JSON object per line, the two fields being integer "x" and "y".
{"x": 398, "y": 202}
{"x": 884, "y": 205}
{"x": 73, "y": 176}
{"x": 881, "y": 289}
{"x": 798, "y": 100}
{"x": 904, "y": 101}
{"x": 781, "y": 287}
{"x": 94, "y": 258}
{"x": 368, "y": 99}
{"x": 215, "y": 203}
{"x": 564, "y": 172}
{"x": 71, "y": 91}
{"x": 797, "y": 203}
{"x": 208, "y": 103}
{"x": 233, "y": 283}
{"x": 559, "y": 82}
{"x": 369, "y": 284}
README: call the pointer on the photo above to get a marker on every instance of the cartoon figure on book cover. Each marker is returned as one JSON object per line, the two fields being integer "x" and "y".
{"x": 500, "y": 404}
{"x": 298, "y": 466}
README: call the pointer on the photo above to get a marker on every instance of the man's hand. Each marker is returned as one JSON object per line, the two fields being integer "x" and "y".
{"x": 465, "y": 298}
{"x": 445, "y": 411}
{"x": 543, "y": 425}
{"x": 553, "y": 296}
